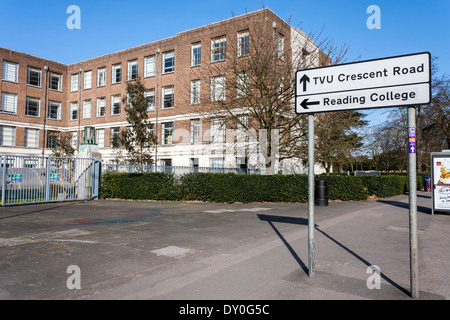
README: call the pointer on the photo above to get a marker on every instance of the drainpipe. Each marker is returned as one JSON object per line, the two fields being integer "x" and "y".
{"x": 45, "y": 108}
{"x": 155, "y": 132}
{"x": 80, "y": 109}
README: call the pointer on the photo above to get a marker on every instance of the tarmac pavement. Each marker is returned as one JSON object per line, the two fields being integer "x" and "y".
{"x": 136, "y": 250}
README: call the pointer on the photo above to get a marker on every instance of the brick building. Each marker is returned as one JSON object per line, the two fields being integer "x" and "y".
{"x": 41, "y": 98}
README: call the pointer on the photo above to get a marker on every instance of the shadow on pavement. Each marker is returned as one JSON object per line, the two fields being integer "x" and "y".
{"x": 302, "y": 221}
{"x": 404, "y": 205}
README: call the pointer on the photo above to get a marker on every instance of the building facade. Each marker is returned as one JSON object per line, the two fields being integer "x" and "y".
{"x": 41, "y": 98}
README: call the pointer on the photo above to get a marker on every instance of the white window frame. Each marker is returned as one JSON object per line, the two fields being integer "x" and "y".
{"x": 10, "y": 71}
{"x": 31, "y": 138}
{"x": 73, "y": 139}
{"x": 280, "y": 46}
{"x": 150, "y": 94}
{"x": 196, "y": 56}
{"x": 218, "y": 88}
{"x": 217, "y": 130}
{"x": 101, "y": 107}
{"x": 9, "y": 103}
{"x": 243, "y": 43}
{"x": 116, "y": 68}
{"x": 131, "y": 64}
{"x": 101, "y": 77}
{"x": 195, "y": 91}
{"x": 221, "y": 44}
{"x": 56, "y": 104}
{"x": 36, "y": 70}
{"x": 167, "y": 90}
{"x": 100, "y": 137}
{"x": 149, "y": 66}
{"x": 11, "y": 137}
{"x": 195, "y": 130}
{"x": 74, "y": 82}
{"x": 87, "y": 80}
{"x": 73, "y": 107}
{"x": 59, "y": 77}
{"x": 87, "y": 109}
{"x": 38, "y": 101}
{"x": 115, "y": 99}
{"x": 113, "y": 133}
{"x": 167, "y": 135}
{"x": 168, "y": 56}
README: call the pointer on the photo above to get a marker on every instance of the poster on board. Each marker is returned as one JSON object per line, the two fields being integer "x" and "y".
{"x": 440, "y": 171}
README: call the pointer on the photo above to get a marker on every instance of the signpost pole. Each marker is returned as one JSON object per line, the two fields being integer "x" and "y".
{"x": 311, "y": 250}
{"x": 412, "y": 172}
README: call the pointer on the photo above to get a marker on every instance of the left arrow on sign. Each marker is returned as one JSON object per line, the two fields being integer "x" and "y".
{"x": 305, "y": 103}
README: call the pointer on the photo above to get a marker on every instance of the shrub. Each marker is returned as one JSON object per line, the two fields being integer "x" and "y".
{"x": 230, "y": 187}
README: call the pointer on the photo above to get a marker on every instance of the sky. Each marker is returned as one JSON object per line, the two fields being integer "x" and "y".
{"x": 406, "y": 26}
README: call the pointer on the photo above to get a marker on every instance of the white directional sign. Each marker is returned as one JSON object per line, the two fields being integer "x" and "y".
{"x": 388, "y": 82}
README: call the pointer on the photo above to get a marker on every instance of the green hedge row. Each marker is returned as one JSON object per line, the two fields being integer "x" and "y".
{"x": 229, "y": 187}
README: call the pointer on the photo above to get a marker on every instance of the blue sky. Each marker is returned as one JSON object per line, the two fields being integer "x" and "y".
{"x": 39, "y": 27}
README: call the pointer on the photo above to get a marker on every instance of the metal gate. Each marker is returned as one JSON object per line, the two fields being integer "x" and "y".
{"x": 47, "y": 179}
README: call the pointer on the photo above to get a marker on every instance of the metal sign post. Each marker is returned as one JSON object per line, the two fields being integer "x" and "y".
{"x": 380, "y": 83}
{"x": 412, "y": 172}
{"x": 311, "y": 249}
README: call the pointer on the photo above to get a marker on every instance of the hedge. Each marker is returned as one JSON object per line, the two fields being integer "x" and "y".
{"x": 230, "y": 187}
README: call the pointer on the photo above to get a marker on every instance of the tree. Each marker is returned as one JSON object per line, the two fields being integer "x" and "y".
{"x": 63, "y": 147}
{"x": 252, "y": 83}
{"x": 337, "y": 138}
{"x": 138, "y": 140}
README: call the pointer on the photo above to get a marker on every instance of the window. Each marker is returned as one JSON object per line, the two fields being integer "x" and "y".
{"x": 217, "y": 163}
{"x": 9, "y": 102}
{"x": 116, "y": 73}
{"x": 243, "y": 44}
{"x": 218, "y": 88}
{"x": 149, "y": 66}
{"x": 101, "y": 77}
{"x": 10, "y": 71}
{"x": 167, "y": 133}
{"x": 55, "y": 81}
{"x": 218, "y": 50}
{"x": 217, "y": 130}
{"x": 280, "y": 46}
{"x": 242, "y": 84}
{"x": 115, "y": 137}
{"x": 52, "y": 139}
{"x": 73, "y": 139}
{"x": 34, "y": 76}
{"x": 132, "y": 70}
{"x": 101, "y": 107}
{"x": 33, "y": 107}
{"x": 150, "y": 96}
{"x": 196, "y": 54}
{"x": 87, "y": 109}
{"x": 100, "y": 138}
{"x": 195, "y": 130}
{"x": 31, "y": 138}
{"x": 7, "y": 136}
{"x": 169, "y": 61}
{"x": 115, "y": 105}
{"x": 167, "y": 93}
{"x": 242, "y": 128}
{"x": 87, "y": 79}
{"x": 54, "y": 110}
{"x": 74, "y": 82}
{"x": 73, "y": 111}
{"x": 195, "y": 91}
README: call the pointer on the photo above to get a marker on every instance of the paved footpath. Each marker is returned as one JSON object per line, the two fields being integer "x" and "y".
{"x": 203, "y": 251}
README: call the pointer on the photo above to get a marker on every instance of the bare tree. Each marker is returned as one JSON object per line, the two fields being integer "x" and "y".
{"x": 252, "y": 83}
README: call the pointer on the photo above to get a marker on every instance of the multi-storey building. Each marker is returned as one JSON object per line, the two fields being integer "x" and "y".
{"x": 41, "y": 98}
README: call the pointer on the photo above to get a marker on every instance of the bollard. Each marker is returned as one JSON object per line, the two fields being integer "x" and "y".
{"x": 321, "y": 194}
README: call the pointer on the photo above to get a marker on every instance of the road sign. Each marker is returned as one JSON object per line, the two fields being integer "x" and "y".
{"x": 387, "y": 82}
